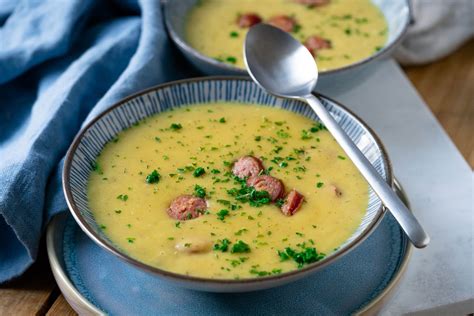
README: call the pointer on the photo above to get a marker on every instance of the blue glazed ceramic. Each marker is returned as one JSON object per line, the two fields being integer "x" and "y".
{"x": 90, "y": 141}
{"x": 94, "y": 281}
{"x": 396, "y": 12}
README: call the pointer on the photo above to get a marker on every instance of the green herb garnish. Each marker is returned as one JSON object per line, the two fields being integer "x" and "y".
{"x": 153, "y": 177}
{"x": 246, "y": 194}
{"x": 199, "y": 191}
{"x": 306, "y": 256}
{"x": 199, "y": 171}
{"x": 222, "y": 245}
{"x": 176, "y": 126}
{"x": 222, "y": 214}
{"x": 305, "y": 135}
{"x": 241, "y": 231}
{"x": 240, "y": 247}
{"x": 231, "y": 59}
{"x": 96, "y": 167}
{"x": 122, "y": 197}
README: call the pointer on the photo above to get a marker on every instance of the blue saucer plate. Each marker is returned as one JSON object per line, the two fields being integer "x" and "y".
{"x": 95, "y": 281}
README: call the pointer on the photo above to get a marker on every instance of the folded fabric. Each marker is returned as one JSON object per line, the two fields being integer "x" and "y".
{"x": 439, "y": 28}
{"x": 62, "y": 63}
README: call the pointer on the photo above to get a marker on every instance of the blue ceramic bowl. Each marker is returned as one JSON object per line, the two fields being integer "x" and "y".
{"x": 396, "y": 12}
{"x": 89, "y": 143}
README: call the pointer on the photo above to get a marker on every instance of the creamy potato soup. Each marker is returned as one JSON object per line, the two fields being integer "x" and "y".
{"x": 337, "y": 32}
{"x": 226, "y": 190}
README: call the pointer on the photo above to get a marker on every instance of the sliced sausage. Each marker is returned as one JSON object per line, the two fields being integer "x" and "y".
{"x": 293, "y": 202}
{"x": 247, "y": 166}
{"x": 313, "y": 3}
{"x": 315, "y": 43}
{"x": 283, "y": 22}
{"x": 248, "y": 20}
{"x": 272, "y": 185}
{"x": 186, "y": 207}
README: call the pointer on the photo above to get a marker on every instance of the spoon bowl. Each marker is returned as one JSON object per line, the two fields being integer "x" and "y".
{"x": 284, "y": 67}
{"x": 266, "y": 63}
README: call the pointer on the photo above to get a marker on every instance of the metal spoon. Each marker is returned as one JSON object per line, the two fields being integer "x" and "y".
{"x": 284, "y": 67}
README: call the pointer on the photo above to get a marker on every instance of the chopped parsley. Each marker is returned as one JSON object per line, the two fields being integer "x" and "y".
{"x": 258, "y": 138}
{"x": 96, "y": 167}
{"x": 131, "y": 240}
{"x": 222, "y": 245}
{"x": 277, "y": 149}
{"x": 122, "y": 197}
{"x": 247, "y": 194}
{"x": 222, "y": 120}
{"x": 153, "y": 177}
{"x": 215, "y": 171}
{"x": 222, "y": 214}
{"x": 240, "y": 247}
{"x": 264, "y": 273}
{"x": 231, "y": 59}
{"x": 306, "y": 256}
{"x": 282, "y": 134}
{"x": 317, "y": 127}
{"x": 319, "y": 185}
{"x": 199, "y": 171}
{"x": 305, "y": 135}
{"x": 234, "y": 34}
{"x": 296, "y": 28}
{"x": 341, "y": 157}
{"x": 299, "y": 151}
{"x": 199, "y": 191}
{"x": 241, "y": 231}
{"x": 175, "y": 126}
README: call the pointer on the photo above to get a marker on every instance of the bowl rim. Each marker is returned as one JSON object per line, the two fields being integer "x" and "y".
{"x": 184, "y": 46}
{"x": 66, "y": 184}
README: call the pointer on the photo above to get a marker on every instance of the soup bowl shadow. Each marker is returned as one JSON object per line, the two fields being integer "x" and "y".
{"x": 90, "y": 141}
{"x": 396, "y": 12}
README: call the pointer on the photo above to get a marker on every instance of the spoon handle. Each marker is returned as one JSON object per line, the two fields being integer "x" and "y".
{"x": 405, "y": 217}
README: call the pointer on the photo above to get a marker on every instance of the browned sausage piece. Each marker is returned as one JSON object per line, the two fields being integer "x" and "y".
{"x": 293, "y": 202}
{"x": 315, "y": 43}
{"x": 247, "y": 166}
{"x": 313, "y": 3}
{"x": 272, "y": 185}
{"x": 283, "y": 22}
{"x": 186, "y": 207}
{"x": 248, "y": 20}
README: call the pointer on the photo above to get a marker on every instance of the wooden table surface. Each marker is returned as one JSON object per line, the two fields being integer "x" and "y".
{"x": 446, "y": 86}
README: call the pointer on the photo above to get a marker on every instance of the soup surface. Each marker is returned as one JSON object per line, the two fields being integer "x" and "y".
{"x": 338, "y": 33}
{"x": 191, "y": 151}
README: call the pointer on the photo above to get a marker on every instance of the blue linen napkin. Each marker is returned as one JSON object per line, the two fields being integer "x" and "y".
{"x": 61, "y": 64}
